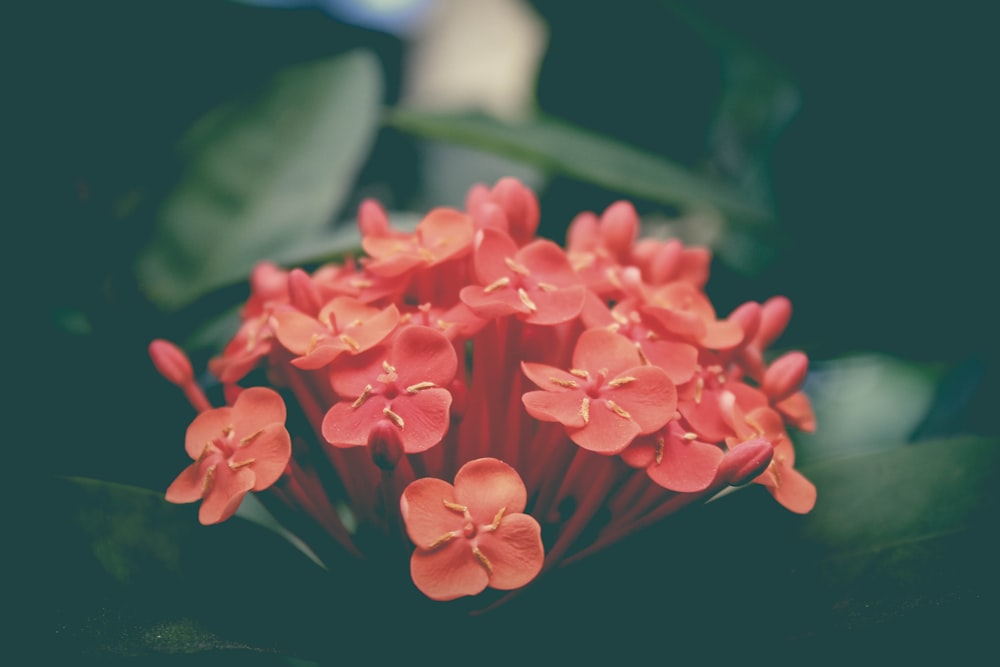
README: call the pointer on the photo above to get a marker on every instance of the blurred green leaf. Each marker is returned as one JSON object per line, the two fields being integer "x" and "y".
{"x": 262, "y": 175}
{"x": 879, "y": 500}
{"x": 864, "y": 403}
{"x": 135, "y": 575}
{"x": 561, "y": 148}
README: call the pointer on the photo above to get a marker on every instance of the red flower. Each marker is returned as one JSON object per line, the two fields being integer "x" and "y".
{"x": 400, "y": 389}
{"x": 473, "y": 534}
{"x": 607, "y": 398}
{"x": 236, "y": 449}
{"x": 443, "y": 233}
{"x": 535, "y": 282}
{"x": 343, "y": 325}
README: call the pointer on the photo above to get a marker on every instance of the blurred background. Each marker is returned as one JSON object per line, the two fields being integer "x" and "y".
{"x": 839, "y": 155}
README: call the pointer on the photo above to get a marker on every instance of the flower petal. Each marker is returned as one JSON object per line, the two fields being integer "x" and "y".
{"x": 686, "y": 466}
{"x": 605, "y": 432}
{"x": 421, "y": 354}
{"x": 601, "y": 348}
{"x": 189, "y": 485}
{"x": 487, "y": 485}
{"x": 555, "y": 406}
{"x": 256, "y": 408}
{"x": 269, "y": 452}
{"x": 448, "y": 572}
{"x": 650, "y": 398}
{"x": 424, "y": 418}
{"x": 424, "y": 512}
{"x": 205, "y": 428}
{"x": 347, "y": 426}
{"x": 226, "y": 489}
{"x": 514, "y": 550}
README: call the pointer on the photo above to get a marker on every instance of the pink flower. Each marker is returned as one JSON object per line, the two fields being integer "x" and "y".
{"x": 473, "y": 534}
{"x": 607, "y": 398}
{"x": 235, "y": 450}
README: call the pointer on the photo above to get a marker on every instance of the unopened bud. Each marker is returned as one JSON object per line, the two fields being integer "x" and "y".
{"x": 619, "y": 227}
{"x": 785, "y": 376}
{"x": 372, "y": 220}
{"x": 521, "y": 207}
{"x": 774, "y": 317}
{"x": 268, "y": 281}
{"x": 745, "y": 461}
{"x": 384, "y": 445}
{"x": 748, "y": 317}
{"x": 583, "y": 232}
{"x": 303, "y": 293}
{"x": 171, "y": 362}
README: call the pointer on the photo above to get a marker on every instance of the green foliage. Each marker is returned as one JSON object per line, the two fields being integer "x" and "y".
{"x": 263, "y": 175}
{"x": 563, "y": 149}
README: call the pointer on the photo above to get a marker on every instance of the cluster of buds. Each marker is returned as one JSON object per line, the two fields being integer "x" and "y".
{"x": 475, "y": 388}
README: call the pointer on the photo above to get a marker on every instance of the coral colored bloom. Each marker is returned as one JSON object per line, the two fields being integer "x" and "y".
{"x": 473, "y": 534}
{"x": 535, "y": 282}
{"x": 401, "y": 389}
{"x": 343, "y": 325}
{"x": 236, "y": 449}
{"x": 607, "y": 398}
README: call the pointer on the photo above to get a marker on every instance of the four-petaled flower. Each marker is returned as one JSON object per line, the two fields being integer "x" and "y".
{"x": 607, "y": 398}
{"x": 473, "y": 534}
{"x": 236, "y": 449}
{"x": 403, "y": 387}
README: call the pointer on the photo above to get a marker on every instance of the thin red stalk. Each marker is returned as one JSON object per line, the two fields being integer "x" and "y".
{"x": 596, "y": 477}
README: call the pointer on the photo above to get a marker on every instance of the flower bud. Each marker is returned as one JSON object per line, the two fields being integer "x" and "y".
{"x": 521, "y": 207}
{"x": 372, "y": 220}
{"x": 785, "y": 376}
{"x": 384, "y": 445}
{"x": 748, "y": 317}
{"x": 303, "y": 293}
{"x": 774, "y": 317}
{"x": 745, "y": 461}
{"x": 619, "y": 227}
{"x": 171, "y": 362}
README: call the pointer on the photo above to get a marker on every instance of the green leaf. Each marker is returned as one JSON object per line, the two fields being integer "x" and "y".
{"x": 261, "y": 175}
{"x": 563, "y": 149}
{"x": 131, "y": 574}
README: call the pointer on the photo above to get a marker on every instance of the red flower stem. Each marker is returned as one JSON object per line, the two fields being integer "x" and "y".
{"x": 596, "y": 477}
{"x": 196, "y": 396}
{"x": 558, "y": 467}
{"x": 550, "y": 453}
{"x": 507, "y": 446}
{"x": 665, "y": 509}
{"x": 318, "y": 506}
{"x": 629, "y": 493}
{"x": 391, "y": 487}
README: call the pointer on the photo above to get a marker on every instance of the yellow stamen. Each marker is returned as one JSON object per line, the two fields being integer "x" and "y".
{"x": 458, "y": 507}
{"x": 496, "y": 519}
{"x": 497, "y": 284}
{"x": 699, "y": 387}
{"x": 444, "y": 539}
{"x": 642, "y": 355}
{"x": 585, "y": 410}
{"x": 387, "y": 367}
{"x": 547, "y": 287}
{"x": 250, "y": 438}
{"x": 690, "y": 436}
{"x": 659, "y": 449}
{"x": 363, "y": 397}
{"x": 237, "y": 466}
{"x": 526, "y": 300}
{"x": 483, "y": 560}
{"x": 617, "y": 382}
{"x": 563, "y": 383}
{"x": 414, "y": 388}
{"x": 393, "y": 417}
{"x": 350, "y": 342}
{"x": 579, "y": 372}
{"x": 515, "y": 267}
{"x": 617, "y": 409}
{"x": 360, "y": 283}
{"x": 313, "y": 342}
{"x": 207, "y": 483}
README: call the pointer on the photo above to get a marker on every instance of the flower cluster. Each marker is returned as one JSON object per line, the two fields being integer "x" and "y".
{"x": 578, "y": 393}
